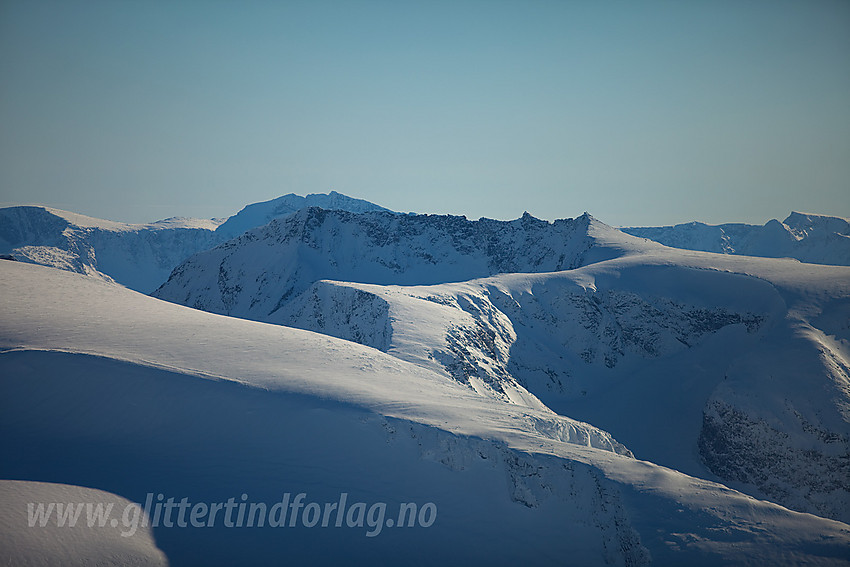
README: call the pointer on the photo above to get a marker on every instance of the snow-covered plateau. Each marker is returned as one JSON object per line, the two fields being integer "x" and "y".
{"x": 543, "y": 393}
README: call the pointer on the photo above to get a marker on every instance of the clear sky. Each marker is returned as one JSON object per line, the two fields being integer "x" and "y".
{"x": 639, "y": 112}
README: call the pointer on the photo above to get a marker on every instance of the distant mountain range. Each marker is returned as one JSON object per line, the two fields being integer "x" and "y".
{"x": 816, "y": 239}
{"x": 139, "y": 256}
{"x": 142, "y": 256}
{"x": 254, "y": 275}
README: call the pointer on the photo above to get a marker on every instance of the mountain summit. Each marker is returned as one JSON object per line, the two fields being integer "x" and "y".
{"x": 258, "y": 214}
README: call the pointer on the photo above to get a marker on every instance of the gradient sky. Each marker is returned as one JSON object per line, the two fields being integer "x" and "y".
{"x": 641, "y": 113}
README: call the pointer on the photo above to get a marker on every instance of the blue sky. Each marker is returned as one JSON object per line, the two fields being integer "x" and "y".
{"x": 641, "y": 113}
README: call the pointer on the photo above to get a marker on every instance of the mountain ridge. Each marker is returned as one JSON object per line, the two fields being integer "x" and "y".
{"x": 140, "y": 256}
{"x": 533, "y": 378}
{"x": 282, "y": 259}
{"x": 811, "y": 238}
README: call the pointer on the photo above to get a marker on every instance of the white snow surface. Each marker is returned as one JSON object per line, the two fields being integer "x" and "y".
{"x": 139, "y": 256}
{"x": 105, "y": 388}
{"x": 55, "y": 545}
{"x": 84, "y": 221}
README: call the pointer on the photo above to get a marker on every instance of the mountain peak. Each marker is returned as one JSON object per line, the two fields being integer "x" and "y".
{"x": 259, "y": 214}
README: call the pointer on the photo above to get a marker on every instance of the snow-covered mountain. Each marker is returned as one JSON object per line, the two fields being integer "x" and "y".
{"x": 254, "y": 275}
{"x": 530, "y": 379}
{"x": 258, "y": 214}
{"x": 142, "y": 256}
{"x": 139, "y": 256}
{"x": 816, "y": 239}
{"x": 731, "y": 368}
{"x": 621, "y": 323}
{"x": 159, "y": 399}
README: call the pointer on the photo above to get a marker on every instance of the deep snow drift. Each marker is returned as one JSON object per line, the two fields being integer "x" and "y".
{"x": 108, "y": 389}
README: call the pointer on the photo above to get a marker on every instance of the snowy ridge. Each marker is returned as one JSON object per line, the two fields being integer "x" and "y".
{"x": 129, "y": 342}
{"x": 84, "y": 221}
{"x": 817, "y": 239}
{"x": 275, "y": 406}
{"x": 255, "y": 275}
{"x": 552, "y": 330}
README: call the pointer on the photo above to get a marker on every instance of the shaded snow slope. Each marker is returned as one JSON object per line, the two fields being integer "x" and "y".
{"x": 148, "y": 331}
{"x": 817, "y": 239}
{"x": 255, "y": 275}
{"x": 105, "y": 388}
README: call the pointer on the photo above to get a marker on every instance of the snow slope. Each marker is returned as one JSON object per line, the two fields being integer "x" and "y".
{"x": 108, "y": 389}
{"x": 54, "y": 545}
{"x": 817, "y": 239}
